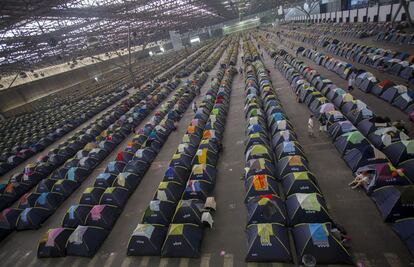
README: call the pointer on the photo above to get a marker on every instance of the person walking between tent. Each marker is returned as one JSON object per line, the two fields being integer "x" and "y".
{"x": 194, "y": 107}
{"x": 310, "y": 126}
{"x": 351, "y": 84}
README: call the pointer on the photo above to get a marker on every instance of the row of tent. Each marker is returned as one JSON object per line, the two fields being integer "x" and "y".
{"x": 400, "y": 64}
{"x": 31, "y": 133}
{"x": 395, "y": 37}
{"x": 316, "y": 91}
{"x": 250, "y": 52}
{"x": 345, "y": 30}
{"x": 231, "y": 57}
{"x": 397, "y": 95}
{"x": 86, "y": 224}
{"x": 214, "y": 58}
{"x": 35, "y": 207}
{"x": 356, "y": 144}
{"x": 39, "y": 129}
{"x": 282, "y": 195}
{"x": 115, "y": 80}
{"x": 196, "y": 60}
{"x": 78, "y": 144}
{"x": 165, "y": 64}
{"x": 22, "y": 182}
{"x": 172, "y": 223}
{"x": 391, "y": 190}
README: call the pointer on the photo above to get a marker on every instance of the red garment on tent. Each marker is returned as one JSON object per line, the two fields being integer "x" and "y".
{"x": 385, "y": 84}
{"x": 120, "y": 156}
{"x": 269, "y": 196}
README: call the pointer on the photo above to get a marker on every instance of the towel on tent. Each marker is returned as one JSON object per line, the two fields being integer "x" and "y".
{"x": 253, "y": 120}
{"x": 199, "y": 168}
{"x": 278, "y": 116}
{"x": 319, "y": 234}
{"x": 161, "y": 195}
{"x": 42, "y": 198}
{"x": 71, "y": 212}
{"x": 182, "y": 147}
{"x": 207, "y": 218}
{"x": 210, "y": 203}
{"x": 71, "y": 174}
{"x": 213, "y": 118}
{"x": 265, "y": 231}
{"x": 121, "y": 179}
{"x": 288, "y": 147}
{"x": 154, "y": 205}
{"x": 51, "y": 236}
{"x": 144, "y": 230}
{"x": 96, "y": 212}
{"x": 77, "y": 235}
{"x": 281, "y": 124}
{"x": 202, "y": 155}
{"x": 308, "y": 201}
{"x": 260, "y": 183}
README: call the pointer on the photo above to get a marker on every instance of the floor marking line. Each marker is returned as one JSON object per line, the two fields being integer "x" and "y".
{"x": 163, "y": 262}
{"x": 110, "y": 259}
{"x": 76, "y": 263}
{"x": 205, "y": 260}
{"x": 184, "y": 262}
{"x": 22, "y": 259}
{"x": 144, "y": 262}
{"x": 126, "y": 262}
{"x": 92, "y": 263}
{"x": 11, "y": 258}
{"x": 228, "y": 260}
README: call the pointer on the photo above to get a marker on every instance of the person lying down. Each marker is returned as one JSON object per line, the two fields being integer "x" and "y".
{"x": 363, "y": 179}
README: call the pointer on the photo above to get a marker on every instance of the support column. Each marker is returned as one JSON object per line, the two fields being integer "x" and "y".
{"x": 403, "y": 4}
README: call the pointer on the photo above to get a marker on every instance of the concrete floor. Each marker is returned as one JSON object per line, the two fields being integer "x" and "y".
{"x": 373, "y": 242}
